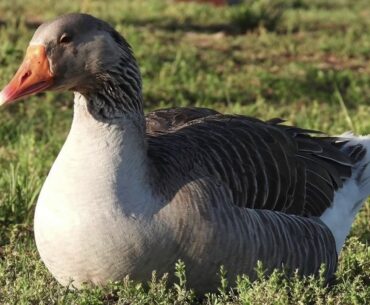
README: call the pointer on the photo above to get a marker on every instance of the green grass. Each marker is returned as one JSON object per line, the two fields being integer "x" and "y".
{"x": 306, "y": 61}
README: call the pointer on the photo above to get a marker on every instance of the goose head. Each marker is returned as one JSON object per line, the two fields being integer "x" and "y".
{"x": 80, "y": 53}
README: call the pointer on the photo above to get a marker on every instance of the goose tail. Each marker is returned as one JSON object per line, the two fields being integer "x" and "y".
{"x": 349, "y": 199}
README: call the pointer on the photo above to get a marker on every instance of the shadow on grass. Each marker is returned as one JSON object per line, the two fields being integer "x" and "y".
{"x": 240, "y": 19}
{"x": 236, "y": 20}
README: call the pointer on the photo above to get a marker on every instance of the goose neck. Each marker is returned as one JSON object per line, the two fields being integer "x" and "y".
{"x": 113, "y": 155}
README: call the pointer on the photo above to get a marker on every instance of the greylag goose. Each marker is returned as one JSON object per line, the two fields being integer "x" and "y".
{"x": 128, "y": 195}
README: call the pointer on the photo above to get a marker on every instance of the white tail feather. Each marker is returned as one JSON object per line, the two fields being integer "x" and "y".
{"x": 349, "y": 199}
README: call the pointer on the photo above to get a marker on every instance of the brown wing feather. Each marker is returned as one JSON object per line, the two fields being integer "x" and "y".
{"x": 164, "y": 120}
{"x": 263, "y": 164}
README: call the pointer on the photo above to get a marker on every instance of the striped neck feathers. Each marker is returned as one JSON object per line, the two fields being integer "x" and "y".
{"x": 118, "y": 94}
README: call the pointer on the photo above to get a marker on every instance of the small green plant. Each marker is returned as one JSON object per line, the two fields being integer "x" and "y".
{"x": 183, "y": 295}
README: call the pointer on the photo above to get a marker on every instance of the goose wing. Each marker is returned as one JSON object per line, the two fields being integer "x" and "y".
{"x": 264, "y": 165}
{"x": 170, "y": 119}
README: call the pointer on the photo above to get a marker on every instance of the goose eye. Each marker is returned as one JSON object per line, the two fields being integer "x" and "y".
{"x": 65, "y": 38}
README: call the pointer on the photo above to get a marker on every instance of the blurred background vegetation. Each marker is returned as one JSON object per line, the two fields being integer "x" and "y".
{"x": 303, "y": 60}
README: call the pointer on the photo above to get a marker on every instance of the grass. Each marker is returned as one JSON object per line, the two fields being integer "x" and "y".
{"x": 305, "y": 61}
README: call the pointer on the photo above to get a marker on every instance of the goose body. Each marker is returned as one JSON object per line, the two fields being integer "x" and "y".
{"x": 128, "y": 195}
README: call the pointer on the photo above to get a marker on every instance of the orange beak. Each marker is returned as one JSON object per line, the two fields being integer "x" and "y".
{"x": 33, "y": 76}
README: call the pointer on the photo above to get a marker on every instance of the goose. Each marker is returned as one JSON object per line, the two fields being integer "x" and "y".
{"x": 129, "y": 193}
